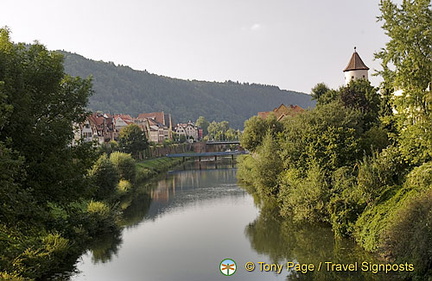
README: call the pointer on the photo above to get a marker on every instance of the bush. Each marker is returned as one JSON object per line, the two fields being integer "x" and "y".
{"x": 379, "y": 171}
{"x": 346, "y": 203}
{"x": 125, "y": 165}
{"x": 245, "y": 164}
{"x": 408, "y": 238}
{"x": 101, "y": 218}
{"x": 105, "y": 177}
{"x": 124, "y": 186}
{"x": 267, "y": 167}
{"x": 304, "y": 198}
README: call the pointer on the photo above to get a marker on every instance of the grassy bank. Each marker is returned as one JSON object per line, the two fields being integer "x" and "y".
{"x": 150, "y": 168}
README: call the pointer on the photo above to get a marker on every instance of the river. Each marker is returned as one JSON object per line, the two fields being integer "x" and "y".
{"x": 185, "y": 224}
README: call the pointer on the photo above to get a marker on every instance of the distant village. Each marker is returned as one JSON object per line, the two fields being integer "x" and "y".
{"x": 158, "y": 128}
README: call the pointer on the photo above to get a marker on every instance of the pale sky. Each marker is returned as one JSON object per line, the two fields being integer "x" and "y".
{"x": 293, "y": 44}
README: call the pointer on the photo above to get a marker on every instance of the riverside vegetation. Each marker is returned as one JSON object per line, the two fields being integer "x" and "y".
{"x": 361, "y": 160}
{"x": 55, "y": 198}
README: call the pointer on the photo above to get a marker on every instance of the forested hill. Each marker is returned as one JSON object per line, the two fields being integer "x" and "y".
{"x": 120, "y": 89}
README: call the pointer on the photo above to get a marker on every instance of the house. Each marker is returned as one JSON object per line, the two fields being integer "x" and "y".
{"x": 82, "y": 133}
{"x": 160, "y": 117}
{"x": 103, "y": 127}
{"x": 188, "y": 130}
{"x": 121, "y": 121}
{"x": 282, "y": 111}
{"x": 158, "y": 126}
{"x": 356, "y": 69}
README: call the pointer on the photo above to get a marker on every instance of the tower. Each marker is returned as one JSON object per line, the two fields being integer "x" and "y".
{"x": 356, "y": 69}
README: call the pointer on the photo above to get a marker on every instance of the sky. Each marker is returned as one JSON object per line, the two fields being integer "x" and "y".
{"x": 293, "y": 44}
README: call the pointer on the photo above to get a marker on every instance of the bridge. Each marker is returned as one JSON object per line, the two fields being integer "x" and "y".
{"x": 208, "y": 154}
{"x": 222, "y": 142}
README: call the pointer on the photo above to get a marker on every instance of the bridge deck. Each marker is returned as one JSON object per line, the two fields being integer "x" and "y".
{"x": 207, "y": 154}
{"x": 221, "y": 142}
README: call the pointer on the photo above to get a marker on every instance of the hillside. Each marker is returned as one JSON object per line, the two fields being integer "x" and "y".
{"x": 120, "y": 89}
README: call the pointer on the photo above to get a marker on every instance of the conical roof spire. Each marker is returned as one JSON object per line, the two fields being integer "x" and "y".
{"x": 355, "y": 63}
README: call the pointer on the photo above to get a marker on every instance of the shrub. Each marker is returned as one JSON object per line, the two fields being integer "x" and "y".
{"x": 101, "y": 218}
{"x": 105, "y": 177}
{"x": 408, "y": 238}
{"x": 123, "y": 186}
{"x": 304, "y": 197}
{"x": 346, "y": 203}
{"x": 125, "y": 165}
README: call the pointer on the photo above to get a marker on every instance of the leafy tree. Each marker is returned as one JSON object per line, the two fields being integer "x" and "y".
{"x": 203, "y": 123}
{"x": 407, "y": 58}
{"x": 256, "y": 128}
{"x": 328, "y": 136}
{"x": 361, "y": 95}
{"x": 105, "y": 176}
{"x": 40, "y": 104}
{"x": 217, "y": 130}
{"x": 407, "y": 68}
{"x": 125, "y": 165}
{"x": 319, "y": 91}
{"x": 268, "y": 166}
{"x": 132, "y": 140}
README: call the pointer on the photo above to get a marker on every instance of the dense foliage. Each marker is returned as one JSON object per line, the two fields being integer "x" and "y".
{"x": 120, "y": 89}
{"x": 54, "y": 196}
{"x": 132, "y": 140}
{"x": 360, "y": 161}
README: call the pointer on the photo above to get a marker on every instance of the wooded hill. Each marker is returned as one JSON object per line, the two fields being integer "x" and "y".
{"x": 120, "y": 89}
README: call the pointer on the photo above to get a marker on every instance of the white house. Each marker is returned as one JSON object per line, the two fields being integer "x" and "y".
{"x": 189, "y": 130}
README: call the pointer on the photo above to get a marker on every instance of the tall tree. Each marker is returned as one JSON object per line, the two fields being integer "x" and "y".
{"x": 203, "y": 123}
{"x": 407, "y": 68}
{"x": 407, "y": 57}
{"x": 41, "y": 104}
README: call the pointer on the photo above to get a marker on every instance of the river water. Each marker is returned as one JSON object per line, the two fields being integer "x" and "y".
{"x": 185, "y": 224}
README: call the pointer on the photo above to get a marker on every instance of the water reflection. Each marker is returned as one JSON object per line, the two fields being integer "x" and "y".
{"x": 282, "y": 240}
{"x": 153, "y": 200}
{"x": 193, "y": 218}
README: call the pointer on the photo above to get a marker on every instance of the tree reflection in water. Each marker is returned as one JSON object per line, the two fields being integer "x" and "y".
{"x": 283, "y": 240}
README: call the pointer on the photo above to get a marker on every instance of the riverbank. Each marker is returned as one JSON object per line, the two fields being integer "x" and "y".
{"x": 150, "y": 168}
{"x": 66, "y": 231}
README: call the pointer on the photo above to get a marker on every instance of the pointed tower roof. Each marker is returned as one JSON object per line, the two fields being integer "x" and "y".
{"x": 356, "y": 63}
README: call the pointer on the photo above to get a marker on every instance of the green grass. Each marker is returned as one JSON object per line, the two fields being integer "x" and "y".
{"x": 150, "y": 168}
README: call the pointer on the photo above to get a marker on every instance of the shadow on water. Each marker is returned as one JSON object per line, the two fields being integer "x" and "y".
{"x": 283, "y": 240}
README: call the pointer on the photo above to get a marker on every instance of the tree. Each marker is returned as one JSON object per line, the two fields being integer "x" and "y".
{"x": 407, "y": 68}
{"x": 217, "y": 130}
{"x": 203, "y": 123}
{"x": 328, "y": 136}
{"x": 124, "y": 164}
{"x": 409, "y": 51}
{"x": 319, "y": 90}
{"x": 255, "y": 130}
{"x": 361, "y": 95}
{"x": 40, "y": 105}
{"x": 105, "y": 176}
{"x": 132, "y": 140}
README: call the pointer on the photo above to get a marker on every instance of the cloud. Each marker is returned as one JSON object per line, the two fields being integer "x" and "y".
{"x": 255, "y": 27}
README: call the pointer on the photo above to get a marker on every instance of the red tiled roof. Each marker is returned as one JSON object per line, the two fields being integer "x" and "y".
{"x": 157, "y": 116}
{"x": 282, "y": 111}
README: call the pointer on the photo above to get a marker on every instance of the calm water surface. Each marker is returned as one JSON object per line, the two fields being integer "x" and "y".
{"x": 189, "y": 221}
